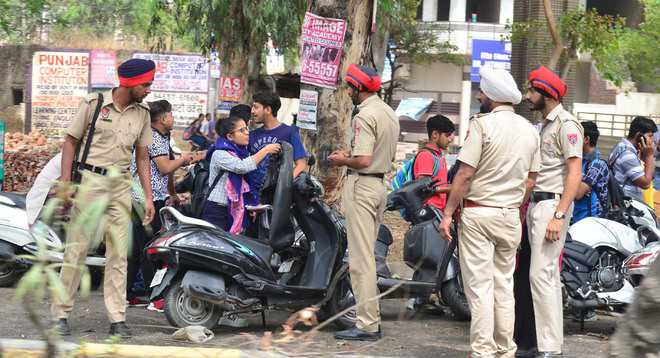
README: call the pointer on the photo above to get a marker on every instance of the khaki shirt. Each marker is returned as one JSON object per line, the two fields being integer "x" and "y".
{"x": 561, "y": 138}
{"x": 375, "y": 134}
{"x": 116, "y": 132}
{"x": 504, "y": 148}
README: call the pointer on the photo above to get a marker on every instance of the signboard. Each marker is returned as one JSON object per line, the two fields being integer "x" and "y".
{"x": 413, "y": 107}
{"x": 230, "y": 89}
{"x": 225, "y": 106}
{"x": 307, "y": 109}
{"x": 59, "y": 81}
{"x": 489, "y": 53}
{"x": 186, "y": 107}
{"x": 179, "y": 73}
{"x": 322, "y": 44}
{"x": 103, "y": 69}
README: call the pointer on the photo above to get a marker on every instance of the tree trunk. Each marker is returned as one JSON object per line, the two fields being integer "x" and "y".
{"x": 244, "y": 65}
{"x": 334, "y": 112}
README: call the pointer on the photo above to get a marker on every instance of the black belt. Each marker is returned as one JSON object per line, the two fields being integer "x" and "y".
{"x": 92, "y": 168}
{"x": 543, "y": 195}
{"x": 374, "y": 175}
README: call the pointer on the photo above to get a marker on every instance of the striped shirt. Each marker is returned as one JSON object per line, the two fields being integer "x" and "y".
{"x": 224, "y": 160}
{"x": 627, "y": 168}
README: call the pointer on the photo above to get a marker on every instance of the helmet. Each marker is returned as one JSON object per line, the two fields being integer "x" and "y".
{"x": 362, "y": 78}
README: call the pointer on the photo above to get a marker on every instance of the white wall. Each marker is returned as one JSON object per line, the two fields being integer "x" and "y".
{"x": 436, "y": 77}
{"x": 506, "y": 11}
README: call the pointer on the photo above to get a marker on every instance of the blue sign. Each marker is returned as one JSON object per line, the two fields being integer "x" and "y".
{"x": 489, "y": 53}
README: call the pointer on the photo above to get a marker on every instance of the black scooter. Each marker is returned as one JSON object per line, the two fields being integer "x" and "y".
{"x": 434, "y": 260}
{"x": 296, "y": 260}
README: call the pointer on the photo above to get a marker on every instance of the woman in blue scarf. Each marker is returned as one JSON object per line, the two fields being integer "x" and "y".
{"x": 230, "y": 158}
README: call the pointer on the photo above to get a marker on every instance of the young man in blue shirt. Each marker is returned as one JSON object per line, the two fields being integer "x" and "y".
{"x": 264, "y": 111}
{"x": 591, "y": 197}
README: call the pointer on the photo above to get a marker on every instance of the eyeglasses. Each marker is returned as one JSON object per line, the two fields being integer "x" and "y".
{"x": 245, "y": 130}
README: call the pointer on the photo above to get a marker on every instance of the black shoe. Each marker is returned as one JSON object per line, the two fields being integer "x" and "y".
{"x": 62, "y": 327}
{"x": 549, "y": 354}
{"x": 356, "y": 334}
{"x": 120, "y": 329}
{"x": 527, "y": 353}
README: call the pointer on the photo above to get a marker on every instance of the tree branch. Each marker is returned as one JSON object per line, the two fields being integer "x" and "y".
{"x": 554, "y": 32}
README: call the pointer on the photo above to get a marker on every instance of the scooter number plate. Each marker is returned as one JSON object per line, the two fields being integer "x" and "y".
{"x": 158, "y": 277}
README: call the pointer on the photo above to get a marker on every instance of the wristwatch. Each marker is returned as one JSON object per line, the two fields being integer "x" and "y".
{"x": 559, "y": 215}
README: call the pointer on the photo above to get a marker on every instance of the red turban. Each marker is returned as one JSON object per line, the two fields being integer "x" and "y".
{"x": 363, "y": 78}
{"x": 544, "y": 79}
{"x": 135, "y": 72}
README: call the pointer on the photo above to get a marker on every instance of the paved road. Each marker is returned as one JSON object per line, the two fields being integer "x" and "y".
{"x": 423, "y": 335}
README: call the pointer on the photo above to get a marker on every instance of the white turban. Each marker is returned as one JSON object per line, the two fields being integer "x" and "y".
{"x": 499, "y": 85}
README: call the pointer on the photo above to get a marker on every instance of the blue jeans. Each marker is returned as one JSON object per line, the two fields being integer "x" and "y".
{"x": 656, "y": 179}
{"x": 217, "y": 215}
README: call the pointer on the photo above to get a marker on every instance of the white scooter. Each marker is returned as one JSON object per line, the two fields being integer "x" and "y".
{"x": 637, "y": 265}
{"x": 595, "y": 251}
{"x": 18, "y": 238}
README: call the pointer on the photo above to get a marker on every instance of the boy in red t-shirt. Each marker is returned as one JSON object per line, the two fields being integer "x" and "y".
{"x": 441, "y": 133}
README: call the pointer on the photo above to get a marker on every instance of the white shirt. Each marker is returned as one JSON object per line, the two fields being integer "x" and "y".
{"x": 36, "y": 197}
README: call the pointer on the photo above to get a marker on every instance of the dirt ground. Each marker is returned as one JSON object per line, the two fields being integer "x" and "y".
{"x": 424, "y": 335}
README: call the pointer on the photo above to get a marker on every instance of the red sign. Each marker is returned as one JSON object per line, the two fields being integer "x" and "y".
{"x": 323, "y": 41}
{"x": 103, "y": 70}
{"x": 230, "y": 89}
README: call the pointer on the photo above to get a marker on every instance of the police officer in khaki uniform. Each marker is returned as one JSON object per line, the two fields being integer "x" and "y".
{"x": 376, "y": 131}
{"x": 123, "y": 123}
{"x": 551, "y": 204}
{"x": 499, "y": 163}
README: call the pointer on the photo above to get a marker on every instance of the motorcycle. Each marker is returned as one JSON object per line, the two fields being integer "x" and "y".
{"x": 637, "y": 265}
{"x": 594, "y": 253}
{"x": 18, "y": 238}
{"x": 296, "y": 260}
{"x": 434, "y": 261}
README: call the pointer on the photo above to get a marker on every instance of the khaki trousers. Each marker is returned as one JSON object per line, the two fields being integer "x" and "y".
{"x": 364, "y": 200}
{"x": 489, "y": 238}
{"x": 112, "y": 197}
{"x": 544, "y": 275}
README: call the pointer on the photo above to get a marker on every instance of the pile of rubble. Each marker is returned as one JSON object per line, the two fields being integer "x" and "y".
{"x": 25, "y": 156}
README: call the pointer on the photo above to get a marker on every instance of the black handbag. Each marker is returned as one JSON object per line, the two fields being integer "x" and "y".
{"x": 76, "y": 176}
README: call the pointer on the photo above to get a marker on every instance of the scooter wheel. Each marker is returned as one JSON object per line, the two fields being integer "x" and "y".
{"x": 453, "y": 295}
{"x": 341, "y": 300}
{"x": 182, "y": 310}
{"x": 8, "y": 274}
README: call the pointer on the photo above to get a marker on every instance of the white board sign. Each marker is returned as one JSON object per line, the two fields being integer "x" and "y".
{"x": 307, "y": 109}
{"x": 179, "y": 73}
{"x": 186, "y": 107}
{"x": 59, "y": 81}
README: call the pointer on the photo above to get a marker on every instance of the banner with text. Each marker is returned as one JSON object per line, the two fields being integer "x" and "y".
{"x": 230, "y": 90}
{"x": 186, "y": 107}
{"x": 489, "y": 53}
{"x": 179, "y": 73}
{"x": 322, "y": 44}
{"x": 307, "y": 109}
{"x": 59, "y": 81}
{"x": 103, "y": 69}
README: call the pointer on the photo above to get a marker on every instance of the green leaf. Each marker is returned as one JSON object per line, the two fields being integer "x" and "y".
{"x": 29, "y": 282}
{"x": 85, "y": 282}
{"x": 56, "y": 287}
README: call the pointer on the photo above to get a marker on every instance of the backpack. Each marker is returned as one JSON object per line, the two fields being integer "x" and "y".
{"x": 405, "y": 174}
{"x": 200, "y": 188}
{"x": 614, "y": 190}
